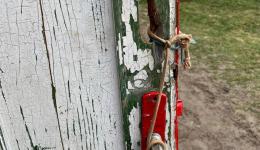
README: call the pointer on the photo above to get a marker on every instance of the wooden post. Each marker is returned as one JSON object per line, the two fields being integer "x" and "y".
{"x": 58, "y": 76}
{"x": 59, "y": 66}
{"x": 139, "y": 67}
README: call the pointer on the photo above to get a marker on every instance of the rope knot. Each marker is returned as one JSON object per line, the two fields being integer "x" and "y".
{"x": 168, "y": 44}
{"x": 182, "y": 40}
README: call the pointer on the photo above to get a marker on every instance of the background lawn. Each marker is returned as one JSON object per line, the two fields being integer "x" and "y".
{"x": 228, "y": 42}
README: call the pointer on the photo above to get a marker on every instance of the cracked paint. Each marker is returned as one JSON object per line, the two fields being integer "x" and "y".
{"x": 140, "y": 79}
{"x": 58, "y": 76}
{"x": 138, "y": 72}
{"x": 143, "y": 57}
{"x": 134, "y": 119}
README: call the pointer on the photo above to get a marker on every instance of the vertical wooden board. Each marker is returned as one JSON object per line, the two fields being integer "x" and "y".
{"x": 58, "y": 76}
{"x": 138, "y": 69}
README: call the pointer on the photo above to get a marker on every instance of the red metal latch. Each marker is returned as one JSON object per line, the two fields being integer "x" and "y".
{"x": 148, "y": 104}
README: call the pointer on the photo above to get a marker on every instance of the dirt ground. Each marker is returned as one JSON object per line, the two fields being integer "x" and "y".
{"x": 211, "y": 119}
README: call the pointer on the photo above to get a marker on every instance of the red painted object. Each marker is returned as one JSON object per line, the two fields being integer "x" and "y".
{"x": 148, "y": 104}
{"x": 179, "y": 108}
{"x": 176, "y": 58}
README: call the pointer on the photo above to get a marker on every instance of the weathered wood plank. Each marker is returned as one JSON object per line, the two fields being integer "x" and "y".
{"x": 139, "y": 67}
{"x": 58, "y": 79}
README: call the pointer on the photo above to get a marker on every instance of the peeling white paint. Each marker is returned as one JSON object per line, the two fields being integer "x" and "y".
{"x": 143, "y": 57}
{"x": 119, "y": 48}
{"x": 134, "y": 119}
{"x": 172, "y": 22}
{"x": 81, "y": 67}
{"x": 134, "y": 59}
{"x": 129, "y": 8}
{"x": 141, "y": 75}
{"x": 127, "y": 91}
{"x": 140, "y": 78}
{"x": 172, "y": 113}
{"x": 150, "y": 60}
{"x": 130, "y": 86}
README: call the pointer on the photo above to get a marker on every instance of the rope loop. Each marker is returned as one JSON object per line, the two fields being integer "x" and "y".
{"x": 157, "y": 142}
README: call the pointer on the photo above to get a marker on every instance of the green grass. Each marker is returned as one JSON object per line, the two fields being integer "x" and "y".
{"x": 228, "y": 41}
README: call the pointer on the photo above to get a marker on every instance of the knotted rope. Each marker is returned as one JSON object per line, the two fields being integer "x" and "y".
{"x": 183, "y": 40}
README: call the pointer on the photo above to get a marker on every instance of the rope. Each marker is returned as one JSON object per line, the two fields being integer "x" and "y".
{"x": 156, "y": 142}
{"x": 181, "y": 38}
